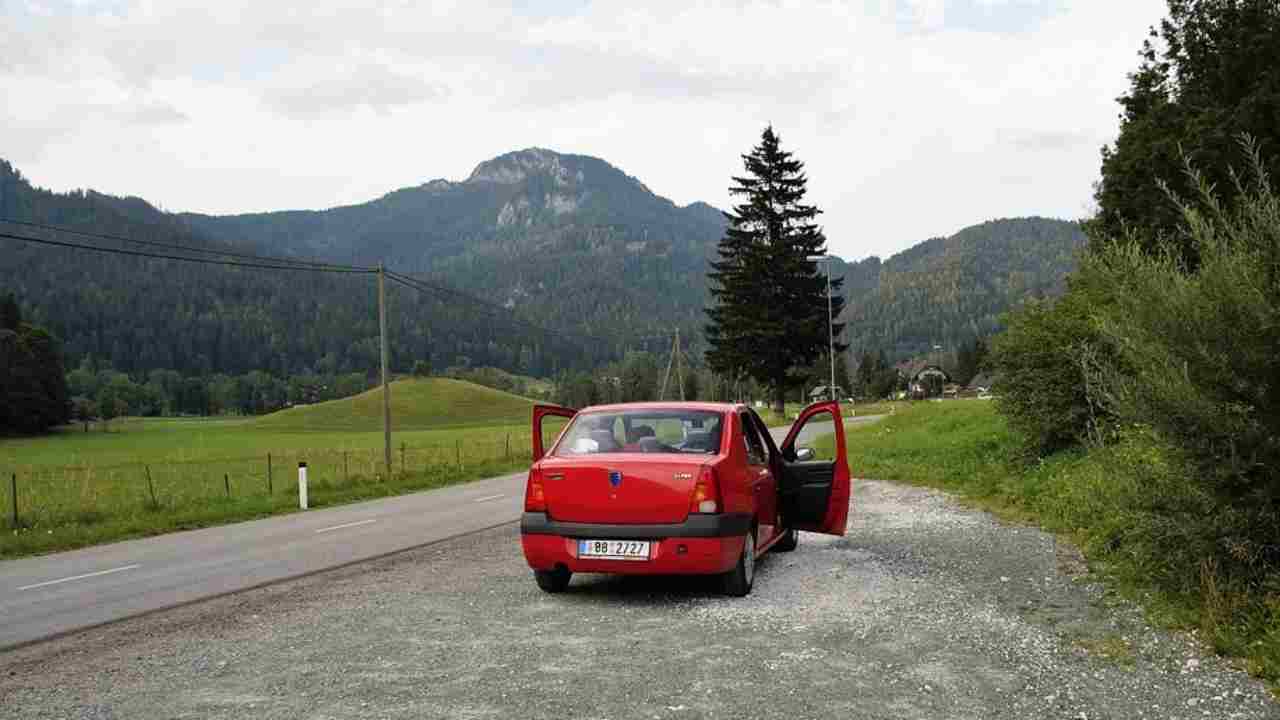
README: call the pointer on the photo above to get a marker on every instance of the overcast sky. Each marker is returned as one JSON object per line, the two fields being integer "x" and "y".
{"x": 915, "y": 118}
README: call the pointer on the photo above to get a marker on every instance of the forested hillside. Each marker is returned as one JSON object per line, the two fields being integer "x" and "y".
{"x": 948, "y": 291}
{"x": 567, "y": 239}
{"x": 564, "y": 242}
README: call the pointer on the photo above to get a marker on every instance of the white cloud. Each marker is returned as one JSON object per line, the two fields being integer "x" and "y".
{"x": 915, "y": 117}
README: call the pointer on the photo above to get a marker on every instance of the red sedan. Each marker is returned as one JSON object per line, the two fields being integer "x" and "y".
{"x": 676, "y": 488}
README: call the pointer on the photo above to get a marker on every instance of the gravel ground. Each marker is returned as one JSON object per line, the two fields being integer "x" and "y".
{"x": 924, "y": 610}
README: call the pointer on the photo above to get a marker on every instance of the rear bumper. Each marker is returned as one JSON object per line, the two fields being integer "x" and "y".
{"x": 703, "y": 544}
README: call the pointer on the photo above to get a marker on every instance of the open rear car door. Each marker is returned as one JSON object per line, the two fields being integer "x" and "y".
{"x": 814, "y": 493}
{"x": 541, "y": 412}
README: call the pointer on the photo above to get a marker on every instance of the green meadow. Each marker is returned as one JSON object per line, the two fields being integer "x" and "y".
{"x": 140, "y": 477}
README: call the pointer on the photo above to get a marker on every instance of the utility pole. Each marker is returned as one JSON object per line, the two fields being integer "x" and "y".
{"x": 662, "y": 394}
{"x": 386, "y": 387}
{"x": 679, "y": 375}
{"x": 831, "y": 333}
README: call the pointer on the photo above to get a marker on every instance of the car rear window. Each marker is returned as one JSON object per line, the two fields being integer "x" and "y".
{"x": 643, "y": 431}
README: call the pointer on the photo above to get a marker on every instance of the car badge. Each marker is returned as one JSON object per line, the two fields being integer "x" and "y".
{"x": 684, "y": 476}
{"x": 615, "y": 478}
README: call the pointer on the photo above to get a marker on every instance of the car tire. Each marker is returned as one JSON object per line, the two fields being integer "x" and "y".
{"x": 738, "y": 581}
{"x": 789, "y": 541}
{"x": 553, "y": 581}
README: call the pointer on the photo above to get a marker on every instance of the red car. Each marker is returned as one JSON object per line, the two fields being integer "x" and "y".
{"x": 676, "y": 488}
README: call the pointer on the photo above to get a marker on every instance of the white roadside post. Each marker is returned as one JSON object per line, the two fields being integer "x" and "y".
{"x": 302, "y": 485}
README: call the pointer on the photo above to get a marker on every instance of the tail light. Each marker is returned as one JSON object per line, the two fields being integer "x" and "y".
{"x": 535, "y": 496}
{"x": 706, "y": 492}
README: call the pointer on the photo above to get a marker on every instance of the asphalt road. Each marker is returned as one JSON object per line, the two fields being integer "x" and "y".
{"x": 55, "y": 594}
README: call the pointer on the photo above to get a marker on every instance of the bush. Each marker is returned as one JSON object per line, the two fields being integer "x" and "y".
{"x": 1039, "y": 364}
{"x": 1201, "y": 352}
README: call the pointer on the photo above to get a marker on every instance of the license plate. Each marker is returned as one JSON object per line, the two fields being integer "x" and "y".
{"x": 614, "y": 549}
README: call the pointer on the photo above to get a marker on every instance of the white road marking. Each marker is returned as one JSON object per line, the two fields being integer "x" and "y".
{"x": 487, "y": 498}
{"x": 78, "y": 577}
{"x": 347, "y": 525}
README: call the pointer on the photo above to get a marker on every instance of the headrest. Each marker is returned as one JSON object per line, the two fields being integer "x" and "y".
{"x": 699, "y": 440}
{"x": 605, "y": 439}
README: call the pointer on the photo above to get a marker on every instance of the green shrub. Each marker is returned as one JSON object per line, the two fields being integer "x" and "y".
{"x": 1039, "y": 362}
{"x": 1197, "y": 355}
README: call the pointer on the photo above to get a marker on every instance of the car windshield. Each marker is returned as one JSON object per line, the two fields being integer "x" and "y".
{"x": 643, "y": 431}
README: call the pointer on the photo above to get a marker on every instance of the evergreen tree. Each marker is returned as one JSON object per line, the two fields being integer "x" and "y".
{"x": 33, "y": 387}
{"x": 10, "y": 313}
{"x": 1212, "y": 73}
{"x": 769, "y": 320}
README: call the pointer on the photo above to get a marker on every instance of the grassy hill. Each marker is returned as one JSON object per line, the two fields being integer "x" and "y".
{"x": 416, "y": 404}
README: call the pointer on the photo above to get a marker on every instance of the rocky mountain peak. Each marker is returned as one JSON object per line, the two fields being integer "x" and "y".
{"x": 514, "y": 167}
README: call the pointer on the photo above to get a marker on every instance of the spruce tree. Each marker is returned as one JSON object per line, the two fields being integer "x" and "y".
{"x": 769, "y": 318}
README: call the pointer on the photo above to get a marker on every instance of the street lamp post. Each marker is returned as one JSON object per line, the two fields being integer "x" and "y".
{"x": 831, "y": 335}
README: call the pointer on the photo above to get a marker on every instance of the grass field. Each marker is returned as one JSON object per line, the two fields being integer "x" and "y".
{"x": 1129, "y": 506}
{"x": 149, "y": 476}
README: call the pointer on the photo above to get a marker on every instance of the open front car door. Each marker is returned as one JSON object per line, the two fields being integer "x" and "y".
{"x": 814, "y": 491}
{"x": 541, "y": 412}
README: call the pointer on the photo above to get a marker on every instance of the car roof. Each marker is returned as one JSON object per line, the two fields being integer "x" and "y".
{"x": 673, "y": 405}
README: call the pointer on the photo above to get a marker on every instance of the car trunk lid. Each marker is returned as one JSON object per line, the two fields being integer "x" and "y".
{"x": 642, "y": 489}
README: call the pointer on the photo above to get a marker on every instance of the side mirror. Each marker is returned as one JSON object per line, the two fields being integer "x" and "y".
{"x": 805, "y": 454}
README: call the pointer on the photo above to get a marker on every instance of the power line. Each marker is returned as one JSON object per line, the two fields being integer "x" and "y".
{"x": 496, "y": 311}
{"x": 184, "y": 248}
{"x": 204, "y": 261}
{"x": 506, "y": 313}
{"x": 274, "y": 263}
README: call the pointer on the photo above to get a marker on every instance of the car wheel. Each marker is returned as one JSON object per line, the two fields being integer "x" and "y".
{"x": 553, "y": 581}
{"x": 737, "y": 582}
{"x": 789, "y": 541}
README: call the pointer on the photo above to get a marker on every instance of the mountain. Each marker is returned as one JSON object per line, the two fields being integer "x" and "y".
{"x": 947, "y": 291}
{"x": 567, "y": 242}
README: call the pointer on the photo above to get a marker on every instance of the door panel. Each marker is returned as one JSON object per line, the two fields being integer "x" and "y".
{"x": 814, "y": 494}
{"x": 540, "y": 413}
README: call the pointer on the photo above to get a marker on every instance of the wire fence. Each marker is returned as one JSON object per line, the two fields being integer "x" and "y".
{"x": 45, "y": 495}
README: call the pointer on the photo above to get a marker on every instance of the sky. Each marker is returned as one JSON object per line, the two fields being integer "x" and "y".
{"x": 914, "y": 118}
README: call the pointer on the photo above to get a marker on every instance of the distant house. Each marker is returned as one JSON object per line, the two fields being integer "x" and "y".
{"x": 821, "y": 393}
{"x": 981, "y": 383}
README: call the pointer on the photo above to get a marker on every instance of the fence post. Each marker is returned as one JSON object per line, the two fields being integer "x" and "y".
{"x": 346, "y": 468}
{"x": 302, "y": 485}
{"x": 13, "y": 489}
{"x": 506, "y": 453}
{"x": 151, "y": 486}
{"x": 403, "y": 469}
{"x": 270, "y": 490}
{"x": 226, "y": 482}
{"x": 457, "y": 449}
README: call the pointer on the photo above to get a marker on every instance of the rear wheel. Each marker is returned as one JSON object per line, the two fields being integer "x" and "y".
{"x": 737, "y": 582}
{"x": 553, "y": 581}
{"x": 790, "y": 539}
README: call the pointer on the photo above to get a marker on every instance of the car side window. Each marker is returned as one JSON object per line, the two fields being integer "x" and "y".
{"x": 755, "y": 446}
{"x": 763, "y": 432}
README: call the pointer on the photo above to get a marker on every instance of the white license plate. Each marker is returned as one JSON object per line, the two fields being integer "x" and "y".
{"x": 614, "y": 549}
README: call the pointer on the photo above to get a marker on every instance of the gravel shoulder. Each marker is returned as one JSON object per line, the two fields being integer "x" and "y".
{"x": 925, "y": 609}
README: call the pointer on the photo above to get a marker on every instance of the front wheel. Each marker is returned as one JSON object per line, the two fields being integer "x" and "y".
{"x": 737, "y": 582}
{"x": 553, "y": 581}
